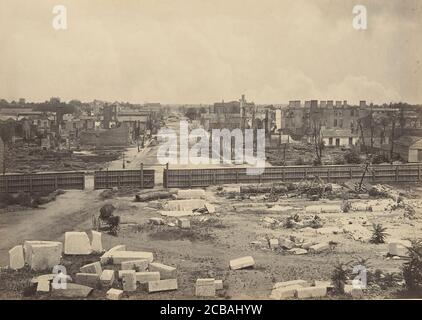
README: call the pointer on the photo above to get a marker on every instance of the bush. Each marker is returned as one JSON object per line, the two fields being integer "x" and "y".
{"x": 378, "y": 234}
{"x": 412, "y": 268}
{"x": 339, "y": 276}
{"x": 352, "y": 156}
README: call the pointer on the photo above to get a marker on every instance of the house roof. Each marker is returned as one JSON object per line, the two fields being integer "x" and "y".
{"x": 409, "y": 141}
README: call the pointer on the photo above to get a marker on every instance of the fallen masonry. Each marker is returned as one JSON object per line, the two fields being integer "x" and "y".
{"x": 145, "y": 277}
{"x": 166, "y": 272}
{"x": 137, "y": 265}
{"x": 77, "y": 243}
{"x": 44, "y": 256}
{"x": 107, "y": 277}
{"x": 96, "y": 243}
{"x": 94, "y": 267}
{"x": 129, "y": 281}
{"x": 16, "y": 258}
{"x": 183, "y": 223}
{"x": 311, "y": 292}
{"x": 241, "y": 263}
{"x": 87, "y": 279}
{"x": 107, "y": 257}
{"x": 162, "y": 285}
{"x": 205, "y": 287}
{"x": 121, "y": 256}
{"x": 72, "y": 290}
{"x": 114, "y": 294}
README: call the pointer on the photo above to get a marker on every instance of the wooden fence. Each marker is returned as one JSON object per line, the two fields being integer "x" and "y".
{"x": 42, "y": 182}
{"x": 142, "y": 179}
{"x": 188, "y": 178}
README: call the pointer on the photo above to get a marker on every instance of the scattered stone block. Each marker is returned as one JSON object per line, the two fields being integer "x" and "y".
{"x": 43, "y": 286}
{"x": 157, "y": 221}
{"x": 210, "y": 208}
{"x": 45, "y": 256}
{"x": 354, "y": 291}
{"x": 399, "y": 248}
{"x": 50, "y": 277}
{"x": 311, "y": 292}
{"x": 94, "y": 267}
{"x": 72, "y": 290}
{"x": 87, "y": 279}
{"x": 122, "y": 256}
{"x": 184, "y": 205}
{"x": 183, "y": 223}
{"x": 241, "y": 263}
{"x": 166, "y": 272}
{"x": 320, "y": 247}
{"x": 145, "y": 277}
{"x": 307, "y": 245}
{"x": 129, "y": 281}
{"x": 290, "y": 283}
{"x": 218, "y": 284}
{"x": 162, "y": 285}
{"x": 298, "y": 251}
{"x": 274, "y": 244}
{"x": 322, "y": 283}
{"x": 286, "y": 243}
{"x": 96, "y": 243}
{"x": 107, "y": 277}
{"x": 284, "y": 292}
{"x": 205, "y": 287}
{"x": 16, "y": 258}
{"x": 27, "y": 248}
{"x": 329, "y": 230}
{"x": 114, "y": 294}
{"x": 77, "y": 243}
{"x": 106, "y": 257}
{"x": 191, "y": 194}
{"x": 137, "y": 265}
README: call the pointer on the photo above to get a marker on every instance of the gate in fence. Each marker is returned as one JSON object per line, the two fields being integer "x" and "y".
{"x": 42, "y": 182}
{"x": 189, "y": 178}
{"x": 142, "y": 179}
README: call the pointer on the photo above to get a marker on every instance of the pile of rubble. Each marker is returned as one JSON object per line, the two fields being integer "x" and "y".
{"x": 316, "y": 289}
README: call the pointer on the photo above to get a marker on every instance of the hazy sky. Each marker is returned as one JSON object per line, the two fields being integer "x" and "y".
{"x": 202, "y": 51}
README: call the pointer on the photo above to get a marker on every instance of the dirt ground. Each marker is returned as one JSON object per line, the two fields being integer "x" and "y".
{"x": 213, "y": 240}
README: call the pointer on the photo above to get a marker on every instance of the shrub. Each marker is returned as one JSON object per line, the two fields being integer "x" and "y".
{"x": 412, "y": 268}
{"x": 352, "y": 156}
{"x": 339, "y": 276}
{"x": 378, "y": 234}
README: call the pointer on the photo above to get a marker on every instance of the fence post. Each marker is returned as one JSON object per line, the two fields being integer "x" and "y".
{"x": 166, "y": 174}
{"x": 419, "y": 172}
{"x": 56, "y": 184}
{"x": 214, "y": 178}
{"x": 30, "y": 183}
{"x": 107, "y": 185}
{"x": 142, "y": 175}
{"x": 351, "y": 173}
{"x": 306, "y": 174}
{"x": 237, "y": 176}
{"x": 6, "y": 183}
{"x": 328, "y": 175}
{"x": 190, "y": 178}
{"x": 397, "y": 173}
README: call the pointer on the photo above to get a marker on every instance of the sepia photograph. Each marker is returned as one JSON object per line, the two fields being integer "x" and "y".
{"x": 211, "y": 151}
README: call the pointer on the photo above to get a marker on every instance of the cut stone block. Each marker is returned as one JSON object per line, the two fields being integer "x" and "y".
{"x": 284, "y": 292}
{"x": 94, "y": 267}
{"x": 16, "y": 258}
{"x": 320, "y": 247}
{"x": 121, "y": 273}
{"x": 205, "y": 287}
{"x": 43, "y": 286}
{"x": 77, "y": 243}
{"x": 122, "y": 256}
{"x": 307, "y": 245}
{"x": 50, "y": 277}
{"x": 322, "y": 283}
{"x": 274, "y": 243}
{"x": 72, "y": 290}
{"x": 311, "y": 292}
{"x": 96, "y": 243}
{"x": 87, "y": 279}
{"x": 298, "y": 251}
{"x": 241, "y": 263}
{"x": 166, "y": 272}
{"x": 399, "y": 248}
{"x": 106, "y": 257}
{"x": 114, "y": 294}
{"x": 107, "y": 277}
{"x": 137, "y": 265}
{"x": 162, "y": 285}
{"x": 183, "y": 223}
{"x": 290, "y": 283}
{"x": 145, "y": 277}
{"x": 286, "y": 243}
{"x": 45, "y": 256}
{"x": 129, "y": 281}
{"x": 28, "y": 250}
{"x": 218, "y": 284}
{"x": 210, "y": 208}
{"x": 353, "y": 291}
{"x": 184, "y": 205}
{"x": 191, "y": 194}
{"x": 156, "y": 221}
